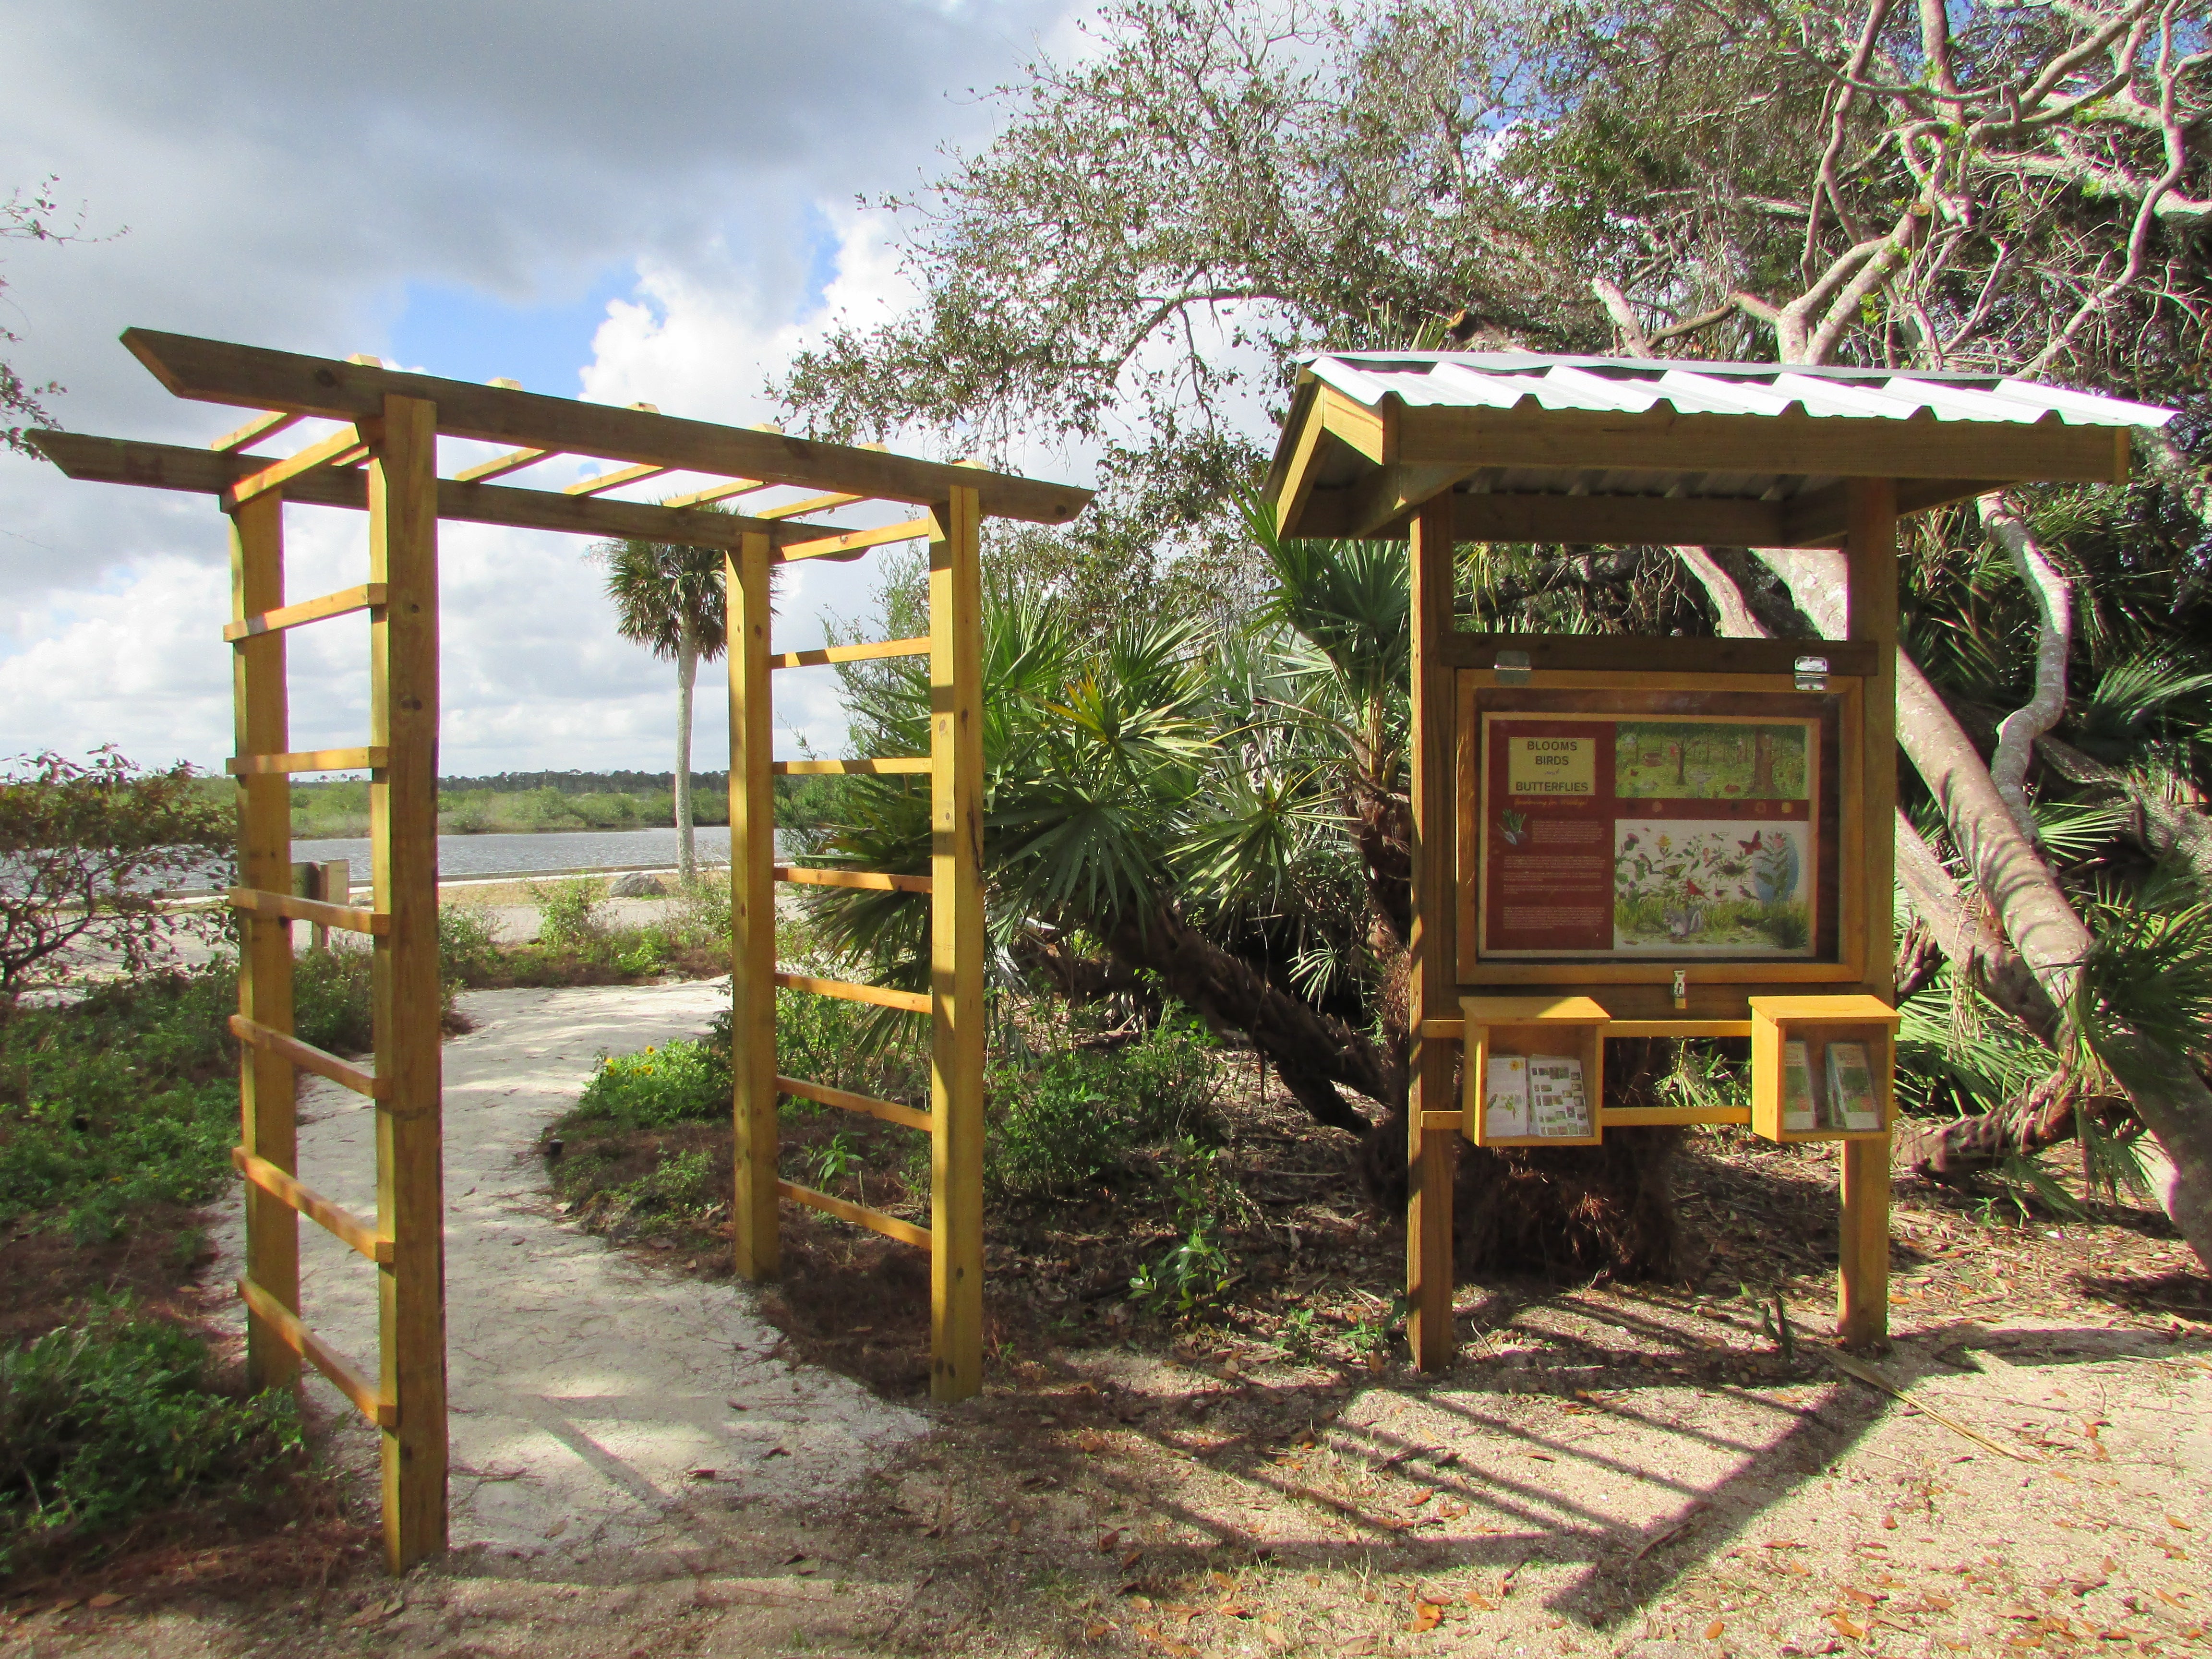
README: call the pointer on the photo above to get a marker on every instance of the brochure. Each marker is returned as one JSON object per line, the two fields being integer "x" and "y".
{"x": 1555, "y": 1103}
{"x": 1852, "y": 1098}
{"x": 1800, "y": 1113}
{"x": 1506, "y": 1098}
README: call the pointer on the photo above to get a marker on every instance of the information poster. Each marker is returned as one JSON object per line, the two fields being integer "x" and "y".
{"x": 1660, "y": 836}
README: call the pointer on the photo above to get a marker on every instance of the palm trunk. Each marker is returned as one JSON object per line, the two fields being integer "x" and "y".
{"x": 687, "y": 675}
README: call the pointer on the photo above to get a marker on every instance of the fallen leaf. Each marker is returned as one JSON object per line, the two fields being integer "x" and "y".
{"x": 1782, "y": 1544}
{"x": 1092, "y": 1632}
{"x": 108, "y": 1599}
{"x": 1427, "y": 1615}
{"x": 1845, "y": 1626}
{"x": 1481, "y": 1603}
{"x": 1713, "y": 1631}
{"x": 1223, "y": 1580}
{"x": 1014, "y": 1525}
{"x": 774, "y": 1451}
{"x": 1861, "y": 1597}
{"x": 1420, "y": 1497}
{"x": 376, "y": 1614}
{"x": 795, "y": 1558}
{"x": 1108, "y": 1540}
{"x": 1141, "y": 1603}
{"x": 1091, "y": 1442}
{"x": 1541, "y": 1457}
{"x": 1129, "y": 1559}
{"x": 1889, "y": 1523}
{"x": 1234, "y": 1610}
{"x": 2176, "y": 1522}
{"x": 703, "y": 1474}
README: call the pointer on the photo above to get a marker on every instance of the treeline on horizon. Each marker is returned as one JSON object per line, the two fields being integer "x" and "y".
{"x": 510, "y": 803}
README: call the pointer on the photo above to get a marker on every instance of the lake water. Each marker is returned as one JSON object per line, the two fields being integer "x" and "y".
{"x": 462, "y": 856}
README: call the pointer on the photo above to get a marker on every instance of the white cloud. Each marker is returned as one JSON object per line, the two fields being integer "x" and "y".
{"x": 286, "y": 171}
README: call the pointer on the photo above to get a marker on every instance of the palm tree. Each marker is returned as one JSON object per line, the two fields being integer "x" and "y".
{"x": 670, "y": 600}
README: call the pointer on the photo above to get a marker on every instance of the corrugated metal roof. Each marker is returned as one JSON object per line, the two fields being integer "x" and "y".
{"x": 1505, "y": 380}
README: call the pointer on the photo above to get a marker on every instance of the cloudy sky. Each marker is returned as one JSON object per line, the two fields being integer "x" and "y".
{"x": 649, "y": 203}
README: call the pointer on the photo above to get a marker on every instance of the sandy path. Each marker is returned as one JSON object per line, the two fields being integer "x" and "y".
{"x": 585, "y": 1390}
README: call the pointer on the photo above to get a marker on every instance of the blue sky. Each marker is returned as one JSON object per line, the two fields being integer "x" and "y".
{"x": 661, "y": 211}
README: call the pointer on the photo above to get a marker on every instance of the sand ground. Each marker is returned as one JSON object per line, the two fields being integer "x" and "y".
{"x": 2046, "y": 1487}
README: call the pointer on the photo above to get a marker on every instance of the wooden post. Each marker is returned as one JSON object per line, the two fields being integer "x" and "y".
{"x": 756, "y": 1235}
{"x": 1431, "y": 1152}
{"x": 956, "y": 948}
{"x": 267, "y": 1123}
{"x": 1862, "y": 1255}
{"x": 402, "y": 817}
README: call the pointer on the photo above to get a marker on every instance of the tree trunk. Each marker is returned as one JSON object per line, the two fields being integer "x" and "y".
{"x": 1312, "y": 1052}
{"x": 2166, "y": 1093}
{"x": 687, "y": 675}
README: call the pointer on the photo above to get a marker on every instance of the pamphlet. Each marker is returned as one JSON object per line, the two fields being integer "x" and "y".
{"x": 1852, "y": 1098}
{"x": 1506, "y": 1098}
{"x": 1555, "y": 1103}
{"x": 1800, "y": 1114}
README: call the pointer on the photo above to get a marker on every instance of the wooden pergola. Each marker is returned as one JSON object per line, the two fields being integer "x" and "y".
{"x": 383, "y": 458}
{"x": 1447, "y": 448}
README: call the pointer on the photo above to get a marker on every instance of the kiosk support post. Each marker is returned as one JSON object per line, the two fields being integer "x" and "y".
{"x": 1863, "y": 1253}
{"x": 1430, "y": 1150}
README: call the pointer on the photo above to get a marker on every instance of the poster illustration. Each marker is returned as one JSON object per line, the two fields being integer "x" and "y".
{"x": 1651, "y": 836}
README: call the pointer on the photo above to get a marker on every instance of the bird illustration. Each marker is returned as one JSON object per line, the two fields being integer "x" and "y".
{"x": 1693, "y": 889}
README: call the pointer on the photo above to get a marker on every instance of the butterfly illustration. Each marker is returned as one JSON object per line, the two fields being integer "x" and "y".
{"x": 1753, "y": 845}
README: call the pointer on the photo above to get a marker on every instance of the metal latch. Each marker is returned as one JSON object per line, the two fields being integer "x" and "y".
{"x": 1512, "y": 667}
{"x": 1812, "y": 673}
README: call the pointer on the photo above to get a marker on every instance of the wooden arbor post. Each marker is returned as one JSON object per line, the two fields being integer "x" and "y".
{"x": 1431, "y": 1151}
{"x": 268, "y": 1124}
{"x": 955, "y": 998}
{"x": 1862, "y": 1246}
{"x": 956, "y": 948}
{"x": 403, "y": 556}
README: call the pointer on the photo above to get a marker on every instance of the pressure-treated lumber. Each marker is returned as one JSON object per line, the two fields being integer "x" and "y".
{"x": 1876, "y": 447}
{"x": 339, "y": 1221}
{"x": 403, "y": 808}
{"x": 500, "y": 466}
{"x": 267, "y": 424}
{"x": 1429, "y": 950}
{"x": 1871, "y": 615}
{"x": 888, "y": 1225}
{"x": 170, "y": 466}
{"x": 720, "y": 492}
{"x": 885, "y": 766}
{"x": 956, "y": 944}
{"x": 889, "y": 1110}
{"x": 267, "y": 1122}
{"x": 882, "y": 996}
{"x": 312, "y": 760}
{"x": 284, "y": 1326}
{"x": 218, "y": 371}
{"x": 353, "y": 918}
{"x": 880, "y": 880}
{"x": 755, "y": 1239}
{"x": 343, "y": 603}
{"x": 871, "y": 651}
{"x": 341, "y": 445}
{"x": 1617, "y": 654}
{"x": 614, "y": 480}
{"x": 853, "y": 542}
{"x": 305, "y": 1055}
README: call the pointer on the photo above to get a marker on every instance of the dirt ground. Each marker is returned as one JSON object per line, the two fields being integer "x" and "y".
{"x": 1644, "y": 1470}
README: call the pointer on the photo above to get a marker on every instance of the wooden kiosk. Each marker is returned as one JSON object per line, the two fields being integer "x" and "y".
{"x": 1620, "y": 836}
{"x": 384, "y": 457}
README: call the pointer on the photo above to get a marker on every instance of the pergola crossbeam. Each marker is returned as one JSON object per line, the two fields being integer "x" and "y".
{"x": 254, "y": 377}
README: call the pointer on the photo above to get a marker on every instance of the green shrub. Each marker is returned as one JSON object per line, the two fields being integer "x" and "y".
{"x": 331, "y": 999}
{"x": 468, "y": 954}
{"x": 668, "y": 1082}
{"x": 105, "y": 1422}
{"x": 571, "y": 915}
{"x": 126, "y": 1098}
{"x": 1063, "y": 1122}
